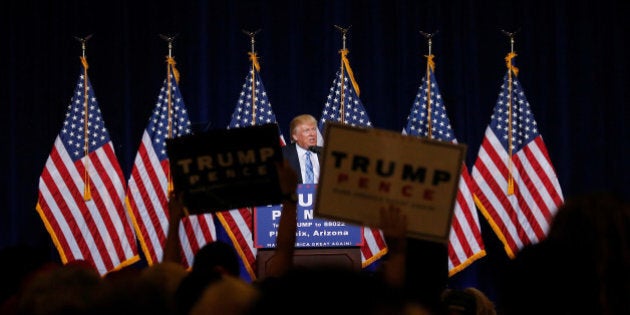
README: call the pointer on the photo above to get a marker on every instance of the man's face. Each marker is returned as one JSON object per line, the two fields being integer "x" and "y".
{"x": 305, "y": 135}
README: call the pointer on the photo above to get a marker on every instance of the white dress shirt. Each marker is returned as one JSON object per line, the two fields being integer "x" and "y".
{"x": 314, "y": 160}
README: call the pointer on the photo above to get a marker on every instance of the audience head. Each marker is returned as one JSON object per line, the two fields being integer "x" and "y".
{"x": 426, "y": 272}
{"x": 468, "y": 301}
{"x": 141, "y": 291}
{"x": 582, "y": 267}
{"x": 217, "y": 256}
{"x": 166, "y": 275}
{"x": 69, "y": 289}
{"x": 332, "y": 290}
{"x": 212, "y": 262}
{"x": 227, "y": 296}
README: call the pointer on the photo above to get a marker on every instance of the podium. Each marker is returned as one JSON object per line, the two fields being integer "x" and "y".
{"x": 319, "y": 242}
{"x": 345, "y": 258}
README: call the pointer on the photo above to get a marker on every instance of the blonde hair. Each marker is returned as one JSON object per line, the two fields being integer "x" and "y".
{"x": 300, "y": 120}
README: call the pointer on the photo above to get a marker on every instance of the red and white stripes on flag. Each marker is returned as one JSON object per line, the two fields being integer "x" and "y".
{"x": 238, "y": 224}
{"x": 516, "y": 187}
{"x": 149, "y": 183}
{"x": 343, "y": 105}
{"x": 428, "y": 118}
{"x": 252, "y": 108}
{"x": 82, "y": 189}
{"x": 465, "y": 242}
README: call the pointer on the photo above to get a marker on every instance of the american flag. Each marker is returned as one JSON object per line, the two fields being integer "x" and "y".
{"x": 428, "y": 118}
{"x": 82, "y": 189}
{"x": 253, "y": 108}
{"x": 344, "y": 105}
{"x": 515, "y": 184}
{"x": 148, "y": 185}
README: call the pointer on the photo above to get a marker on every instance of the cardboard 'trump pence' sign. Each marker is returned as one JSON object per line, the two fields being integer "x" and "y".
{"x": 366, "y": 169}
{"x": 227, "y": 168}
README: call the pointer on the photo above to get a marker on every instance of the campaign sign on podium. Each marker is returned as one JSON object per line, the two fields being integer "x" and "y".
{"x": 312, "y": 232}
{"x": 366, "y": 169}
{"x": 224, "y": 169}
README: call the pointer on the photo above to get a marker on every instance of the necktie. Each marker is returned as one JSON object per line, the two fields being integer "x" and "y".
{"x": 309, "y": 168}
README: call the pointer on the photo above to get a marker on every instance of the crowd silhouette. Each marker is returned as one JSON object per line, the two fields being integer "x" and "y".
{"x": 582, "y": 267}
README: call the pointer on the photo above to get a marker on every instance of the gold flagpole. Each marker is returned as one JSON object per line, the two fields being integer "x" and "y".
{"x": 255, "y": 67}
{"x": 87, "y": 194}
{"x": 170, "y": 70}
{"x": 343, "y": 52}
{"x": 511, "y": 69}
{"x": 430, "y": 68}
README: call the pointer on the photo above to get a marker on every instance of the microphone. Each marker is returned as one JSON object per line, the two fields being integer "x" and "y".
{"x": 315, "y": 149}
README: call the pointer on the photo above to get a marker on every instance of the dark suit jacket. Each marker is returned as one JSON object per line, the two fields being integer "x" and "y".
{"x": 289, "y": 152}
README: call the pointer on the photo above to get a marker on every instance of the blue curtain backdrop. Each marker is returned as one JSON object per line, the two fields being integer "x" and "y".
{"x": 572, "y": 57}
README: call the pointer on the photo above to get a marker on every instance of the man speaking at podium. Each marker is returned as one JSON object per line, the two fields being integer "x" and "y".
{"x": 303, "y": 153}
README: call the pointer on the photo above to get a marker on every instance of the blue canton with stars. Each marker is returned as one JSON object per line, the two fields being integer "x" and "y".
{"x": 244, "y": 115}
{"x": 354, "y": 113}
{"x": 417, "y": 121}
{"x": 159, "y": 121}
{"x": 73, "y": 134}
{"x": 524, "y": 128}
